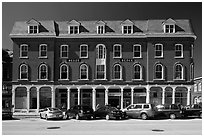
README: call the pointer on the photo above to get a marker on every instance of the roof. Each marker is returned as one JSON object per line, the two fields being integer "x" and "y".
{"x": 113, "y": 28}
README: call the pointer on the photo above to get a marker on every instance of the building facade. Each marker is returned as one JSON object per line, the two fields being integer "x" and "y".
{"x": 61, "y": 64}
{"x": 196, "y": 96}
{"x": 6, "y": 78}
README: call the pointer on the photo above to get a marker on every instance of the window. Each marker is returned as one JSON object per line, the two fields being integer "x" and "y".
{"x": 83, "y": 71}
{"x": 178, "y": 72}
{"x": 84, "y": 51}
{"x": 199, "y": 87}
{"x": 43, "y": 72}
{"x": 127, "y": 29}
{"x": 100, "y": 29}
{"x": 158, "y": 50}
{"x": 137, "y": 51}
{"x": 64, "y": 51}
{"x": 158, "y": 71}
{"x": 146, "y": 106}
{"x": 100, "y": 72}
{"x": 43, "y": 51}
{"x": 137, "y": 72}
{"x": 73, "y": 29}
{"x": 138, "y": 106}
{"x": 117, "y": 51}
{"x": 24, "y": 51}
{"x": 192, "y": 71}
{"x": 117, "y": 72}
{"x": 101, "y": 52}
{"x": 23, "y": 72}
{"x": 178, "y": 50}
{"x": 64, "y": 71}
{"x": 33, "y": 29}
{"x": 169, "y": 28}
{"x": 195, "y": 88}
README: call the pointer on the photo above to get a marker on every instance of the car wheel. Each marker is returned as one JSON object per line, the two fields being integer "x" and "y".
{"x": 40, "y": 116}
{"x": 77, "y": 117}
{"x": 107, "y": 117}
{"x": 144, "y": 116}
{"x": 172, "y": 116}
{"x": 46, "y": 117}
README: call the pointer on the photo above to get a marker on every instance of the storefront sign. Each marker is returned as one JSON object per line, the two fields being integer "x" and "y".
{"x": 114, "y": 94}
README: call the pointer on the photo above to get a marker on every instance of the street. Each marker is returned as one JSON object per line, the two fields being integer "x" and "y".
{"x": 35, "y": 126}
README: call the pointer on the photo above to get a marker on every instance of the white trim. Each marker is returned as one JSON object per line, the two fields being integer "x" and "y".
{"x": 121, "y": 70}
{"x": 61, "y": 72}
{"x": 39, "y": 72}
{"x": 33, "y": 29}
{"x": 179, "y": 50}
{"x": 135, "y": 45}
{"x": 127, "y": 29}
{"x": 114, "y": 50}
{"x": 162, "y": 51}
{"x": 26, "y": 71}
{"x": 73, "y": 29}
{"x": 87, "y": 50}
{"x": 64, "y": 45}
{"x": 40, "y": 56}
{"x": 87, "y": 71}
{"x": 21, "y": 50}
{"x": 165, "y": 25}
{"x": 99, "y": 30}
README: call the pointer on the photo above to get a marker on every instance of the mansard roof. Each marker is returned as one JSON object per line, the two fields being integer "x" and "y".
{"x": 142, "y": 28}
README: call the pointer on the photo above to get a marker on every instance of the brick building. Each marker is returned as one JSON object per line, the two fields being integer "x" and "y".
{"x": 64, "y": 63}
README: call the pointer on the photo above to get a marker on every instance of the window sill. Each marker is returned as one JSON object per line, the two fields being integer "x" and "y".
{"x": 117, "y": 57}
{"x": 63, "y": 79}
{"x": 116, "y": 79}
{"x": 158, "y": 79}
{"x": 43, "y": 57}
{"x": 22, "y": 79}
{"x": 84, "y": 57}
{"x": 100, "y": 79}
{"x": 137, "y": 80}
{"x": 137, "y": 57}
{"x": 179, "y": 79}
{"x": 42, "y": 79}
{"x": 179, "y": 57}
{"x": 83, "y": 79}
{"x": 158, "y": 57}
{"x": 23, "y": 57}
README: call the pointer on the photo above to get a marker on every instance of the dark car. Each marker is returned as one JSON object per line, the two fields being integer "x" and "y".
{"x": 141, "y": 110}
{"x": 168, "y": 111}
{"x": 192, "y": 110}
{"x": 80, "y": 111}
{"x": 109, "y": 112}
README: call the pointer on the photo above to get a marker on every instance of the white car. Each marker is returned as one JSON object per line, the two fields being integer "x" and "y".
{"x": 51, "y": 113}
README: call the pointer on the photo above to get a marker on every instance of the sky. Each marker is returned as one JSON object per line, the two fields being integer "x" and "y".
{"x": 65, "y": 11}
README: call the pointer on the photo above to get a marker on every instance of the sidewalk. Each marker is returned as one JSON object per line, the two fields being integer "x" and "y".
{"x": 26, "y": 115}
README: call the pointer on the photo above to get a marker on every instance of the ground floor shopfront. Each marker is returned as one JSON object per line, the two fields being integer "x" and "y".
{"x": 32, "y": 98}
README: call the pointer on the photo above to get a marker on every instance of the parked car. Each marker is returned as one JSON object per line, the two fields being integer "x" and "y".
{"x": 140, "y": 110}
{"x": 80, "y": 111}
{"x": 192, "y": 110}
{"x": 7, "y": 113}
{"x": 168, "y": 111}
{"x": 51, "y": 113}
{"x": 109, "y": 112}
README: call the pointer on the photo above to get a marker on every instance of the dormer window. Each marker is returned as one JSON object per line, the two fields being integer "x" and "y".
{"x": 73, "y": 29}
{"x": 127, "y": 29}
{"x": 101, "y": 29}
{"x": 169, "y": 28}
{"x": 33, "y": 29}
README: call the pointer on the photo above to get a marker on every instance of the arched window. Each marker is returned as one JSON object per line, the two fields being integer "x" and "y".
{"x": 64, "y": 51}
{"x": 24, "y": 51}
{"x": 178, "y": 71}
{"x": 83, "y": 71}
{"x": 101, "y": 51}
{"x": 137, "y": 72}
{"x": 159, "y": 71}
{"x": 117, "y": 72}
{"x": 117, "y": 51}
{"x": 43, "y": 51}
{"x": 43, "y": 72}
{"x": 24, "y": 71}
{"x": 64, "y": 71}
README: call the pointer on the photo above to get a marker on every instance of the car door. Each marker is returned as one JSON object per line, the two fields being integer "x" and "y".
{"x": 130, "y": 110}
{"x": 137, "y": 110}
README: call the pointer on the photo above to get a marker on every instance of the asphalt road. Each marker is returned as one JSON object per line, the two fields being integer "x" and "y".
{"x": 102, "y": 127}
